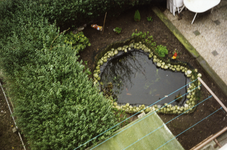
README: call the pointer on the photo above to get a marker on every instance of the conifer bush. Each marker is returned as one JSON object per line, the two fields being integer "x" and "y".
{"x": 137, "y": 15}
{"x": 56, "y": 104}
{"x": 65, "y": 109}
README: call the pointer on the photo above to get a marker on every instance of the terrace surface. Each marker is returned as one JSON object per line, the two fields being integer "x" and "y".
{"x": 208, "y": 35}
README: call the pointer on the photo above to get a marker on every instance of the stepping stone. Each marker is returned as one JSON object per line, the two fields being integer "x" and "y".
{"x": 217, "y": 22}
{"x": 215, "y": 53}
{"x": 196, "y": 32}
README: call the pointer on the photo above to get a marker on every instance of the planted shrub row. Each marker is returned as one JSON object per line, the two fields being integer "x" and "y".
{"x": 56, "y": 104}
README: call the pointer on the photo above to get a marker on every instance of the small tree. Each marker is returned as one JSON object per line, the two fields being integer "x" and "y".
{"x": 137, "y": 16}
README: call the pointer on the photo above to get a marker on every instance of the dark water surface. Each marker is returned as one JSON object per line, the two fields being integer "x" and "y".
{"x": 137, "y": 80}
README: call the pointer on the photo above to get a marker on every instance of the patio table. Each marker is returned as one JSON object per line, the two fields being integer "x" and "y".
{"x": 200, "y": 6}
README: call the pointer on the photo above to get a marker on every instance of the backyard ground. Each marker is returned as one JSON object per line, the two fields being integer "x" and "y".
{"x": 8, "y": 139}
{"x": 162, "y": 35}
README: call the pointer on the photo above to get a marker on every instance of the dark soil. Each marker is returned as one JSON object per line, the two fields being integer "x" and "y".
{"x": 8, "y": 139}
{"x": 162, "y": 35}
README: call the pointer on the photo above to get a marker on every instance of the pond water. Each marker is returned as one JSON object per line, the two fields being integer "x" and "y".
{"x": 137, "y": 80}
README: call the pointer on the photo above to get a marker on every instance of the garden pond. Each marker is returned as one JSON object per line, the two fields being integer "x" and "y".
{"x": 134, "y": 78}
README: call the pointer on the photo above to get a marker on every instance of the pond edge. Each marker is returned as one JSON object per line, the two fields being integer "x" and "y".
{"x": 109, "y": 51}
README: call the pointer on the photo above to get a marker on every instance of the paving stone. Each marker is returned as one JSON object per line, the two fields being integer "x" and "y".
{"x": 196, "y": 32}
{"x": 14, "y": 130}
{"x": 215, "y": 53}
{"x": 208, "y": 35}
{"x": 217, "y": 22}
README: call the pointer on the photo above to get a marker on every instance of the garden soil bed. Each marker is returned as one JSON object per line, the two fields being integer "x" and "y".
{"x": 8, "y": 139}
{"x": 162, "y": 35}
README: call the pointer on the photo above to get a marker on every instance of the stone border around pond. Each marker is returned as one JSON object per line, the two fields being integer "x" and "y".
{"x": 192, "y": 89}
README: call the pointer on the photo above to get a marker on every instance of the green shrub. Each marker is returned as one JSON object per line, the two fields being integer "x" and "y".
{"x": 137, "y": 15}
{"x": 57, "y": 105}
{"x": 117, "y": 30}
{"x": 77, "y": 40}
{"x": 145, "y": 35}
{"x": 153, "y": 44}
{"x": 161, "y": 50}
{"x": 21, "y": 47}
{"x": 71, "y": 13}
{"x": 149, "y": 18}
{"x": 6, "y": 10}
{"x": 15, "y": 14}
{"x": 64, "y": 12}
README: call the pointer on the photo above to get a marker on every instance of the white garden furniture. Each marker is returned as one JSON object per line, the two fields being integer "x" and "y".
{"x": 200, "y": 6}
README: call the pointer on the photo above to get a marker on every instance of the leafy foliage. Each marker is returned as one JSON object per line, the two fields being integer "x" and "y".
{"x": 21, "y": 47}
{"x": 142, "y": 35}
{"x": 56, "y": 104}
{"x": 161, "y": 50}
{"x": 137, "y": 15}
{"x": 149, "y": 18}
{"x": 78, "y": 40}
{"x": 117, "y": 30}
{"x": 77, "y": 12}
{"x": 66, "y": 14}
{"x": 153, "y": 44}
{"x": 145, "y": 35}
{"x": 65, "y": 109}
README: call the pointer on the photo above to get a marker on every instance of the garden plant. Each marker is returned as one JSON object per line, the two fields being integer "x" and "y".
{"x": 77, "y": 40}
{"x": 117, "y": 30}
{"x": 149, "y": 18}
{"x": 161, "y": 50}
{"x": 137, "y": 16}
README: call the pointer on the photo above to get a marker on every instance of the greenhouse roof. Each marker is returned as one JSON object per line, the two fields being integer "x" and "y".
{"x": 147, "y": 133}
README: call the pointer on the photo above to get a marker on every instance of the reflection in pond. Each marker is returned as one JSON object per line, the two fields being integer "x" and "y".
{"x": 135, "y": 79}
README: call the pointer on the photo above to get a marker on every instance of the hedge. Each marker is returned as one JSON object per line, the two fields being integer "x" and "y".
{"x": 56, "y": 104}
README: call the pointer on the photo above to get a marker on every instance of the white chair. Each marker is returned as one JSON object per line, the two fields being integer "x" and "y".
{"x": 200, "y": 6}
{"x": 175, "y": 5}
